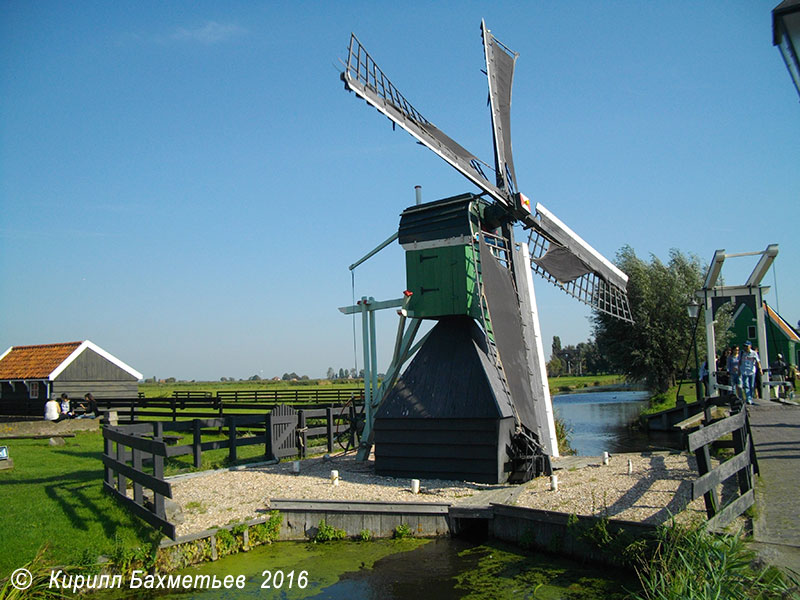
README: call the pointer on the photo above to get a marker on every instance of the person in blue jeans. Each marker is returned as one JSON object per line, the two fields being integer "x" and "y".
{"x": 733, "y": 370}
{"x": 749, "y": 365}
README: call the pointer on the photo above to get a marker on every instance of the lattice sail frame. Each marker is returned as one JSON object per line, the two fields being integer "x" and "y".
{"x": 602, "y": 288}
{"x": 591, "y": 289}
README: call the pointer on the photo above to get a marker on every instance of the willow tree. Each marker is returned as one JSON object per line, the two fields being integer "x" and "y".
{"x": 655, "y": 348}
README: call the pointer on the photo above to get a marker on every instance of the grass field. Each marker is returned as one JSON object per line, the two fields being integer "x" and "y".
{"x": 165, "y": 390}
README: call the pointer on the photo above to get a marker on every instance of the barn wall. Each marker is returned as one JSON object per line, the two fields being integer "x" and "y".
{"x": 99, "y": 389}
{"x": 90, "y": 366}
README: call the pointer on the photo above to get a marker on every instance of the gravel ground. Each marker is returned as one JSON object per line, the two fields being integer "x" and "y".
{"x": 659, "y": 487}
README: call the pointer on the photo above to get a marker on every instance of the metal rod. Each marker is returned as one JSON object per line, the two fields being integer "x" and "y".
{"x": 372, "y": 253}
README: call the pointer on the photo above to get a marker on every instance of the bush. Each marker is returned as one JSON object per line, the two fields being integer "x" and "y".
{"x": 327, "y": 533}
{"x": 402, "y": 531}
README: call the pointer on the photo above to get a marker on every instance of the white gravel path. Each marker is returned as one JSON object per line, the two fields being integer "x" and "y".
{"x": 658, "y": 488}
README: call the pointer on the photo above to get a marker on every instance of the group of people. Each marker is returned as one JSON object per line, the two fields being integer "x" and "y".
{"x": 58, "y": 410}
{"x": 742, "y": 371}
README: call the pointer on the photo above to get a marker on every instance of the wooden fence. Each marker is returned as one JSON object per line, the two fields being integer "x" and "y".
{"x": 743, "y": 464}
{"x": 132, "y": 410}
{"x": 132, "y": 448}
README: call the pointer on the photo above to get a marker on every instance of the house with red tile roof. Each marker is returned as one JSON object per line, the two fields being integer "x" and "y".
{"x": 31, "y": 375}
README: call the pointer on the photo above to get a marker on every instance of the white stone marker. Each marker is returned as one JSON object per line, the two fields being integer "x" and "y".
{"x": 335, "y": 477}
{"x": 415, "y": 486}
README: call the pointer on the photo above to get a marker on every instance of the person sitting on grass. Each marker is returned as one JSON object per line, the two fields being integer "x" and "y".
{"x": 52, "y": 412}
{"x": 88, "y": 407}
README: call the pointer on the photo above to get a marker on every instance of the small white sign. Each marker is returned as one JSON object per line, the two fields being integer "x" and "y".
{"x": 3, "y": 452}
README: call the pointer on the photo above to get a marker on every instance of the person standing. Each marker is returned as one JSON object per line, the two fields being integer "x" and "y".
{"x": 749, "y": 365}
{"x": 733, "y": 371}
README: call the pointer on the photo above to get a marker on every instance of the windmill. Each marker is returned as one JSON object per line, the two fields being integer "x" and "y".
{"x": 474, "y": 402}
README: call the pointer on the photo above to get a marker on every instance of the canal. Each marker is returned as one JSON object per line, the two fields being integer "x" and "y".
{"x": 410, "y": 569}
{"x": 599, "y": 421}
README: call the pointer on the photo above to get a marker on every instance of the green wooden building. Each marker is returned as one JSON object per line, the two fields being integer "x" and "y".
{"x": 782, "y": 338}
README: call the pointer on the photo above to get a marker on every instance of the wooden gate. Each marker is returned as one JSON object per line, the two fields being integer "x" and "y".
{"x": 282, "y": 423}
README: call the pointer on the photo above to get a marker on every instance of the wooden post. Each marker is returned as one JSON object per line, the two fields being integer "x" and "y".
{"x": 302, "y": 437}
{"x": 352, "y": 425}
{"x": 196, "y": 449}
{"x": 137, "y": 487}
{"x": 108, "y": 450}
{"x": 268, "y": 453}
{"x": 232, "y": 438}
{"x": 329, "y": 426}
{"x": 174, "y": 409}
{"x": 704, "y": 466}
{"x": 133, "y": 410}
{"x": 744, "y": 476}
{"x": 121, "y": 482}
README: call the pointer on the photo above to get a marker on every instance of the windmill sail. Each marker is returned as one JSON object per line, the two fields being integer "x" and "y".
{"x": 500, "y": 62}
{"x": 363, "y": 77}
{"x": 560, "y": 255}
{"x": 557, "y": 253}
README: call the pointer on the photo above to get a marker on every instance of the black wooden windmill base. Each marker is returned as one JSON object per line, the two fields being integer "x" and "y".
{"x": 450, "y": 417}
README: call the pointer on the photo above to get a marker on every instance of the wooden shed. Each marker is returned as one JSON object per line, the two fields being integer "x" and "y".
{"x": 31, "y": 375}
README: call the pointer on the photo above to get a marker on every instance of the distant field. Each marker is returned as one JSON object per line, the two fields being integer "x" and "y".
{"x": 165, "y": 390}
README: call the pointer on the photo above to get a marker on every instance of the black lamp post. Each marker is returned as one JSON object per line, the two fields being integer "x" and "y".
{"x": 693, "y": 308}
{"x": 786, "y": 35}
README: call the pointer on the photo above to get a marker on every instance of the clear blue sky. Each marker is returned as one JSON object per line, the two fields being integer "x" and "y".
{"x": 185, "y": 183}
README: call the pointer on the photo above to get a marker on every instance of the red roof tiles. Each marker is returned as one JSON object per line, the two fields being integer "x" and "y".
{"x": 35, "y": 362}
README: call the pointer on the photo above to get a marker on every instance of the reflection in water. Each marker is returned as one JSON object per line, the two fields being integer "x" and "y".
{"x": 599, "y": 421}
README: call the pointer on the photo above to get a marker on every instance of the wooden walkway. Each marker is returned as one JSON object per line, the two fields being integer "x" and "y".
{"x": 776, "y": 531}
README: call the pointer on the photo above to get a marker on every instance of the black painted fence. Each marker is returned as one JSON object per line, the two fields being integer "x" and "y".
{"x": 137, "y": 451}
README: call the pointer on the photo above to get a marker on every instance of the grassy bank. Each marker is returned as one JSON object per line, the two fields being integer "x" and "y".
{"x": 660, "y": 402}
{"x": 54, "y": 495}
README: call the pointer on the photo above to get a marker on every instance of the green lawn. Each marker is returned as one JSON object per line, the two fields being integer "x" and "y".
{"x": 54, "y": 495}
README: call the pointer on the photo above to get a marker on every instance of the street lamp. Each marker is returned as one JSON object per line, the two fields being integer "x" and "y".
{"x": 786, "y": 35}
{"x": 693, "y": 308}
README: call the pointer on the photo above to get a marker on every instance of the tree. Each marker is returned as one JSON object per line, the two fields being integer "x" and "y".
{"x": 554, "y": 367}
{"x": 654, "y": 348}
{"x": 331, "y": 374}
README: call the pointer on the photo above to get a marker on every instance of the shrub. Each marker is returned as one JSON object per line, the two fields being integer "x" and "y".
{"x": 327, "y": 533}
{"x": 402, "y": 531}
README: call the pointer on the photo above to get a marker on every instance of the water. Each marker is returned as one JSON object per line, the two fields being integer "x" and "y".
{"x": 441, "y": 569}
{"x": 599, "y": 421}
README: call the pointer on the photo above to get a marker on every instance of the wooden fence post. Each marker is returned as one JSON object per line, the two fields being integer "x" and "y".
{"x": 158, "y": 472}
{"x": 329, "y": 427}
{"x": 232, "y": 438}
{"x": 353, "y": 425}
{"x": 121, "y": 483}
{"x": 268, "y": 452}
{"x": 196, "y": 449}
{"x": 174, "y": 409}
{"x": 137, "y": 487}
{"x": 108, "y": 449}
{"x": 302, "y": 437}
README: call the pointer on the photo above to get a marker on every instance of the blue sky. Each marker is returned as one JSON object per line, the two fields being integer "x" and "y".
{"x": 185, "y": 183}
